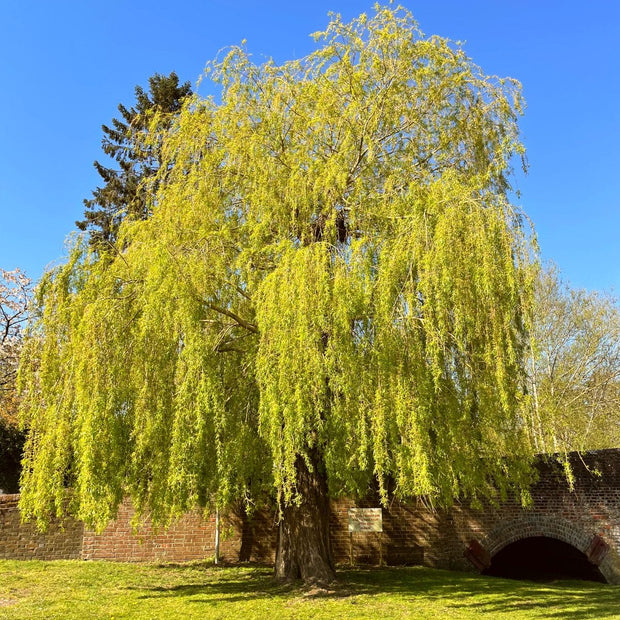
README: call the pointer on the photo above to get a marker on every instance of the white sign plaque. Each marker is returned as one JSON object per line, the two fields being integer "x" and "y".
{"x": 365, "y": 520}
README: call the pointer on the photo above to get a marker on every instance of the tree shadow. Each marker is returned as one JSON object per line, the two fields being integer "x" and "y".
{"x": 459, "y": 591}
{"x": 492, "y": 595}
{"x": 223, "y": 583}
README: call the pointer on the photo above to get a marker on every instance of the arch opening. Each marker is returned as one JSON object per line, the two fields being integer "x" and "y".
{"x": 541, "y": 558}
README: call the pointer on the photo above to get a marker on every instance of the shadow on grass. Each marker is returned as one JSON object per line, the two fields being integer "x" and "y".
{"x": 459, "y": 591}
{"x": 492, "y": 595}
{"x": 224, "y": 583}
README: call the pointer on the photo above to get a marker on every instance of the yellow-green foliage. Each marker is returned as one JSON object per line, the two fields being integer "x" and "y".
{"x": 575, "y": 367}
{"x": 331, "y": 264}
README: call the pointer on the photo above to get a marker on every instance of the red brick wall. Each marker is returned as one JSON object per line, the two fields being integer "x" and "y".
{"x": 408, "y": 532}
{"x": 190, "y": 538}
{"x": 588, "y": 518}
{"x": 581, "y": 517}
{"x": 22, "y": 541}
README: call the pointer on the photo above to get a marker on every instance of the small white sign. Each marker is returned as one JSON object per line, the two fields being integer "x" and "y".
{"x": 365, "y": 519}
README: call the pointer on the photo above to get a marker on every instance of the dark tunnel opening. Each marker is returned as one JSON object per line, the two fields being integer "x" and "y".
{"x": 543, "y": 559}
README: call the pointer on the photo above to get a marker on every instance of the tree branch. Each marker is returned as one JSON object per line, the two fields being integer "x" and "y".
{"x": 241, "y": 322}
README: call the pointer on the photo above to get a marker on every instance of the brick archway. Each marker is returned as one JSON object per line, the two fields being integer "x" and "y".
{"x": 591, "y": 545}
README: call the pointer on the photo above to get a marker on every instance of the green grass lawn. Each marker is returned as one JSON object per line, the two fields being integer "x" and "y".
{"x": 84, "y": 590}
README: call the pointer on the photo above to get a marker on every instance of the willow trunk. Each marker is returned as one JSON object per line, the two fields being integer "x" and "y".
{"x": 304, "y": 549}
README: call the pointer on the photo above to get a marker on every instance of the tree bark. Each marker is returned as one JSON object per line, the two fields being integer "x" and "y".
{"x": 304, "y": 549}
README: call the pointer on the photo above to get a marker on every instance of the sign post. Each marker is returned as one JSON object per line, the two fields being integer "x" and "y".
{"x": 366, "y": 520}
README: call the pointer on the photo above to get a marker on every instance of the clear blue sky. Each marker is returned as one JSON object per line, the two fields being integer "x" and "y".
{"x": 66, "y": 65}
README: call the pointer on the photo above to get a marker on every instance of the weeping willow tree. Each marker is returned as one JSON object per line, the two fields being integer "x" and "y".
{"x": 331, "y": 296}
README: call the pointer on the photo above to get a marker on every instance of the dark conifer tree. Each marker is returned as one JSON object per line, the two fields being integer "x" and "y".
{"x": 121, "y": 194}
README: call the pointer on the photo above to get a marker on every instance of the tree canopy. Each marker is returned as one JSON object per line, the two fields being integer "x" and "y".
{"x": 332, "y": 285}
{"x": 575, "y": 367}
{"x": 122, "y": 193}
{"x": 15, "y": 292}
